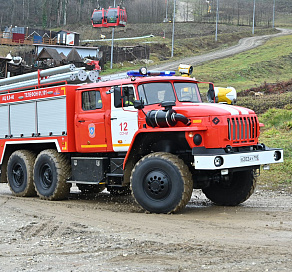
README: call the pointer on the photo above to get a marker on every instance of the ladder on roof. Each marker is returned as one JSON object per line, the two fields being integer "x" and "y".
{"x": 53, "y": 76}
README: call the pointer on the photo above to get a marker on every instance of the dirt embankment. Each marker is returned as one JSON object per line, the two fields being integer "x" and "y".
{"x": 113, "y": 234}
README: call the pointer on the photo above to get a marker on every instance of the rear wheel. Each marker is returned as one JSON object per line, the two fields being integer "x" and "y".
{"x": 51, "y": 171}
{"x": 161, "y": 183}
{"x": 20, "y": 173}
{"x": 237, "y": 190}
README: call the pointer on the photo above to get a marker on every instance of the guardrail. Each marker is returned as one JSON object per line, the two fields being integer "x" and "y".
{"x": 15, "y": 42}
{"x": 9, "y": 41}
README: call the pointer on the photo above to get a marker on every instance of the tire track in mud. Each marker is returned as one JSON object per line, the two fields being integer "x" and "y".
{"x": 104, "y": 234}
{"x": 47, "y": 229}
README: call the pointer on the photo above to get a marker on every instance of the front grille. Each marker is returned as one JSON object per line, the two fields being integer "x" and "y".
{"x": 242, "y": 129}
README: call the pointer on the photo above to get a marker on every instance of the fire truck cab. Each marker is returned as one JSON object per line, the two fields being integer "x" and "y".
{"x": 149, "y": 134}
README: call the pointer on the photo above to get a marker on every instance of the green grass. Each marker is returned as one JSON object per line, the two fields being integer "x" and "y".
{"x": 271, "y": 62}
{"x": 267, "y": 101}
{"x": 278, "y": 133}
{"x": 277, "y": 118}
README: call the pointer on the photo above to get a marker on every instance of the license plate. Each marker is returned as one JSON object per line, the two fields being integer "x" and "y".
{"x": 250, "y": 158}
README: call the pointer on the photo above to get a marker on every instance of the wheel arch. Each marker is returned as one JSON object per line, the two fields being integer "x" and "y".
{"x": 34, "y": 146}
{"x": 147, "y": 142}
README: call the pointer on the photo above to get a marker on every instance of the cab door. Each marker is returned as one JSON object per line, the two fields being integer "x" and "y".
{"x": 90, "y": 122}
{"x": 124, "y": 117}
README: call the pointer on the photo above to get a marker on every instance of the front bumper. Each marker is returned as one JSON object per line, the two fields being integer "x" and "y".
{"x": 220, "y": 160}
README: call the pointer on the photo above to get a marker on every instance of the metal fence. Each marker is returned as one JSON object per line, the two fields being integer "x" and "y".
{"x": 126, "y": 53}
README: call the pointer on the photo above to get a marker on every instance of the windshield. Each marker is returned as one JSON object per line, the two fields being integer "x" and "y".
{"x": 187, "y": 92}
{"x": 112, "y": 16}
{"x": 152, "y": 93}
{"x": 97, "y": 17}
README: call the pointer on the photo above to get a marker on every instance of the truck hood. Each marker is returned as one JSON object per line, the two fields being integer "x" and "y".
{"x": 208, "y": 109}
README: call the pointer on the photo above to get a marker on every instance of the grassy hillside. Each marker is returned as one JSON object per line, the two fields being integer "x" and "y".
{"x": 278, "y": 133}
{"x": 271, "y": 62}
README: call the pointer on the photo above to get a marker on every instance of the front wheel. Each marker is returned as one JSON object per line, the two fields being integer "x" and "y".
{"x": 161, "y": 183}
{"x": 237, "y": 190}
{"x": 51, "y": 171}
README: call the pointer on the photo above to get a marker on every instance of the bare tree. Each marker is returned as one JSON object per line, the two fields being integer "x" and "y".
{"x": 54, "y": 13}
{"x": 65, "y": 12}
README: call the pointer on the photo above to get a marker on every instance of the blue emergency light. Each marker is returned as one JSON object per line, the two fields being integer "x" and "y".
{"x": 143, "y": 72}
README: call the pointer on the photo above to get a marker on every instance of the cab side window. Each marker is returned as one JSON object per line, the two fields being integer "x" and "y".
{"x": 127, "y": 98}
{"x": 91, "y": 100}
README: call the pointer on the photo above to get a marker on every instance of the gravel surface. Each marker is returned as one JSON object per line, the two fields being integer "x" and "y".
{"x": 101, "y": 233}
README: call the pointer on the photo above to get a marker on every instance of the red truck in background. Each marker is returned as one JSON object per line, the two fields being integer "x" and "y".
{"x": 149, "y": 133}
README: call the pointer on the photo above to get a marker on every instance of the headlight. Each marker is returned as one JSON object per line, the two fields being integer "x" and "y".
{"x": 197, "y": 139}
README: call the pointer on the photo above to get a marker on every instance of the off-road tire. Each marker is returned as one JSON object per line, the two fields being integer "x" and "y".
{"x": 161, "y": 183}
{"x": 51, "y": 170}
{"x": 20, "y": 173}
{"x": 90, "y": 188}
{"x": 241, "y": 187}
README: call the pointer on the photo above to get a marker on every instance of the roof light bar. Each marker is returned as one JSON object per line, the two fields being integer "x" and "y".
{"x": 161, "y": 73}
{"x": 143, "y": 73}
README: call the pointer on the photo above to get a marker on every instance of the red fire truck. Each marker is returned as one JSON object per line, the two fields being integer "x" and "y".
{"x": 149, "y": 133}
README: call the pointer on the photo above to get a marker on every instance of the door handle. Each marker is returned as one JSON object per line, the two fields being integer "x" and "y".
{"x": 81, "y": 121}
{"x": 114, "y": 118}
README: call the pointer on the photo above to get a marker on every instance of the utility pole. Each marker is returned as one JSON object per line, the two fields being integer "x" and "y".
{"x": 166, "y": 16}
{"x": 274, "y": 5}
{"x": 112, "y": 48}
{"x": 253, "y": 17}
{"x": 173, "y": 20}
{"x": 217, "y": 19}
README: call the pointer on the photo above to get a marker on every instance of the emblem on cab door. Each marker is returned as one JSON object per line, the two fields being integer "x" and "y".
{"x": 91, "y": 130}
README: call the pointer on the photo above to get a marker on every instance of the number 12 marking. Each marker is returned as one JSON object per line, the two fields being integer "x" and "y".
{"x": 124, "y": 126}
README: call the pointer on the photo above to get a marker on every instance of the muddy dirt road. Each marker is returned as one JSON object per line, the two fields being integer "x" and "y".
{"x": 113, "y": 234}
{"x": 243, "y": 45}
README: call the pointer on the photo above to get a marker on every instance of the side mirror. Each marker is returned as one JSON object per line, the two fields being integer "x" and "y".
{"x": 138, "y": 104}
{"x": 211, "y": 93}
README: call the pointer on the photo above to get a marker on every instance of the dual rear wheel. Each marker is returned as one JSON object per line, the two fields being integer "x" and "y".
{"x": 44, "y": 175}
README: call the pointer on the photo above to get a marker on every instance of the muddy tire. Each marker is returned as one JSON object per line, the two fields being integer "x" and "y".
{"x": 20, "y": 173}
{"x": 239, "y": 189}
{"x": 51, "y": 170}
{"x": 90, "y": 188}
{"x": 161, "y": 183}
